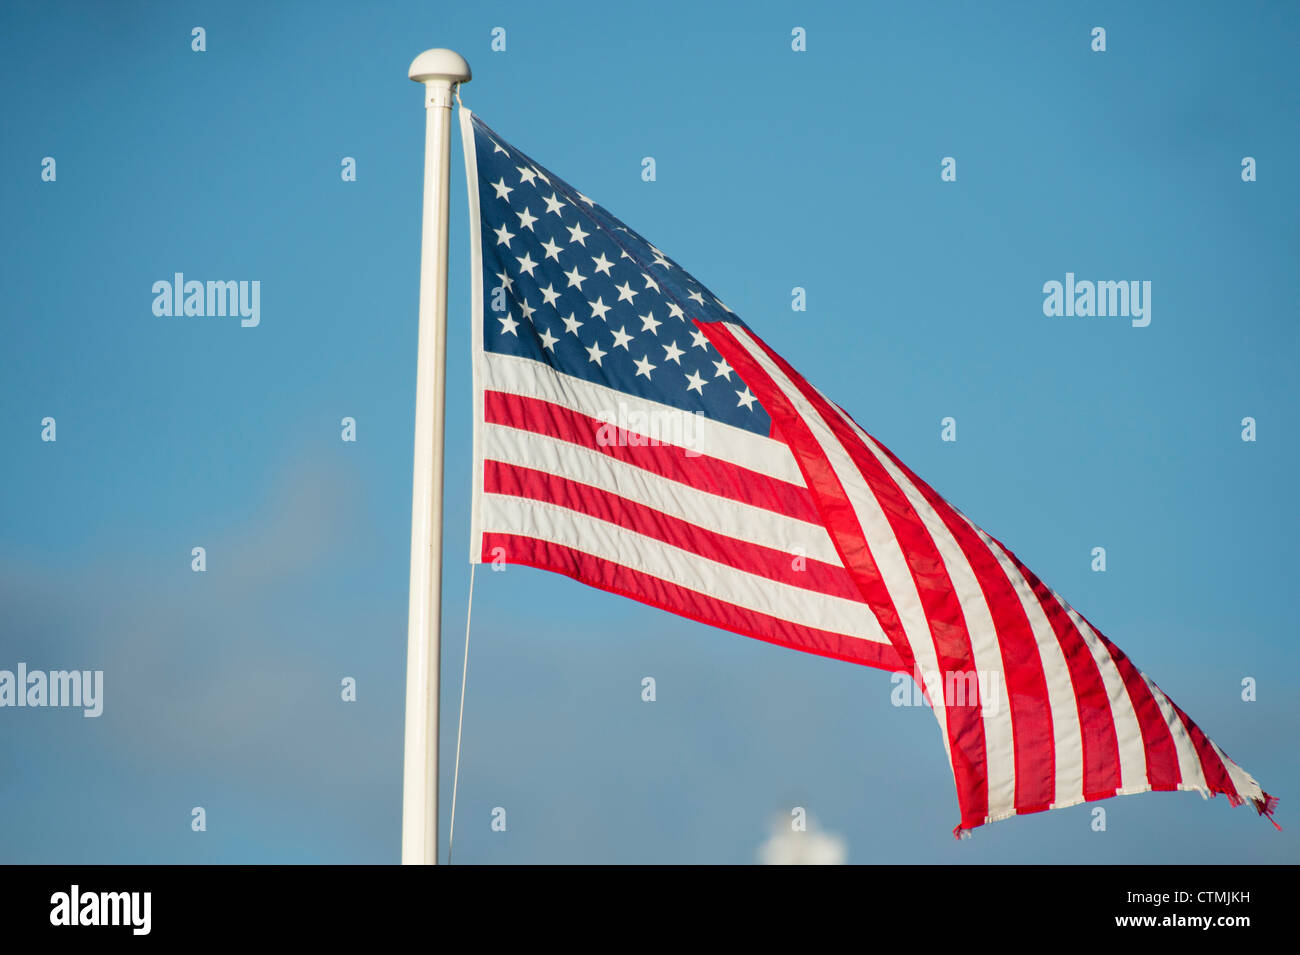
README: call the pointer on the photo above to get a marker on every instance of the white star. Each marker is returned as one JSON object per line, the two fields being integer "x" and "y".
{"x": 599, "y": 308}
{"x": 552, "y": 249}
{"x": 625, "y": 293}
{"x": 700, "y": 341}
{"x": 724, "y": 370}
{"x": 541, "y": 175}
{"x": 549, "y": 295}
{"x": 621, "y": 338}
{"x": 508, "y": 324}
{"x": 643, "y": 367}
{"x": 649, "y": 282}
{"x": 575, "y": 278}
{"x": 504, "y": 236}
{"x": 571, "y": 324}
{"x": 696, "y": 382}
{"x": 602, "y": 264}
{"x": 548, "y": 340}
{"x": 746, "y": 399}
{"x": 576, "y": 234}
{"x": 526, "y": 310}
{"x": 506, "y": 281}
{"x": 554, "y": 204}
{"x": 503, "y": 191}
{"x": 526, "y": 263}
{"x": 648, "y": 323}
{"x": 595, "y": 354}
{"x": 585, "y": 199}
{"x": 696, "y": 296}
{"x": 496, "y": 147}
{"x": 660, "y": 260}
{"x": 526, "y": 220}
{"x": 526, "y": 175}
{"x": 675, "y": 311}
{"x": 673, "y": 353}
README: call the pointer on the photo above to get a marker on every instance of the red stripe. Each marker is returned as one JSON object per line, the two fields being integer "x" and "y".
{"x": 938, "y": 596}
{"x": 768, "y": 562}
{"x": 626, "y": 582}
{"x": 1216, "y": 774}
{"x": 1030, "y": 705}
{"x": 1162, "y": 756}
{"x": 1098, "y": 736}
{"x": 704, "y": 472}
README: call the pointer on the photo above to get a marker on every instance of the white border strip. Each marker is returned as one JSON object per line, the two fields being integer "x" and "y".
{"x": 476, "y": 333}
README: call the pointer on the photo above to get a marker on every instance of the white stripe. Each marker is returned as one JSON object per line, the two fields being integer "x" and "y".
{"x": 507, "y": 514}
{"x": 516, "y": 375}
{"x": 884, "y": 547}
{"x": 1128, "y": 731}
{"x": 1242, "y": 781}
{"x": 999, "y": 738}
{"x": 744, "y": 522}
{"x": 1189, "y": 764}
{"x": 1067, "y": 737}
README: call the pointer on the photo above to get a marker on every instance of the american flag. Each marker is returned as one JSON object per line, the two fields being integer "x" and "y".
{"x": 631, "y": 432}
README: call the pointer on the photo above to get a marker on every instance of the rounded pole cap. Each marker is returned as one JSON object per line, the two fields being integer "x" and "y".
{"x": 439, "y": 65}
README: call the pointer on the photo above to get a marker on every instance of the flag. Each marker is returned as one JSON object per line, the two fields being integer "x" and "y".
{"x": 631, "y": 432}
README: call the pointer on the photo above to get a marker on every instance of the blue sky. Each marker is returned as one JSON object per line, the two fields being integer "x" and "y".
{"x": 775, "y": 169}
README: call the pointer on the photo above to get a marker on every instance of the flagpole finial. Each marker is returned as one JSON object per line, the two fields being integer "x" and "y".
{"x": 440, "y": 64}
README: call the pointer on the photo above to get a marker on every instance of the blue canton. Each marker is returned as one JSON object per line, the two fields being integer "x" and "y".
{"x": 568, "y": 284}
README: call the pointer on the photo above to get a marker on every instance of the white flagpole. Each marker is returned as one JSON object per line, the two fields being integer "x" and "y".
{"x": 439, "y": 71}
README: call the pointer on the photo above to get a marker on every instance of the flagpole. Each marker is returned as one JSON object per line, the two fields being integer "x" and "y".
{"x": 440, "y": 71}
